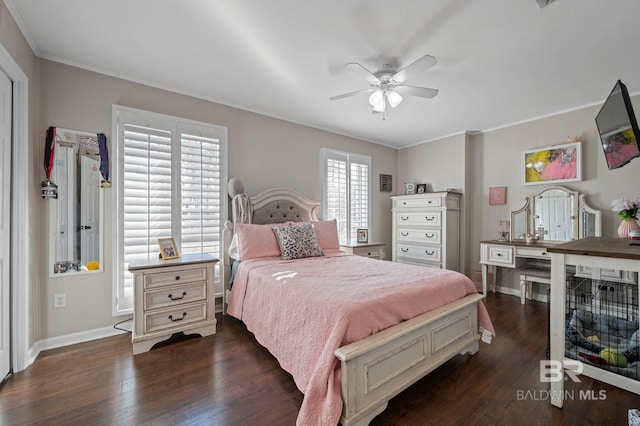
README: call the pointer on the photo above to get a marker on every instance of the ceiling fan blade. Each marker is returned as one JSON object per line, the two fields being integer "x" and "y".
{"x": 363, "y": 72}
{"x": 347, "y": 95}
{"x": 412, "y": 70}
{"x": 423, "y": 92}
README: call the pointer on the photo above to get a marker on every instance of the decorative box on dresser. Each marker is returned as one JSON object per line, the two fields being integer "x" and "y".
{"x": 426, "y": 229}
{"x": 172, "y": 296}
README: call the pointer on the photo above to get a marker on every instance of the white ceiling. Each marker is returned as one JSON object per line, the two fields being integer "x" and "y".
{"x": 499, "y": 61}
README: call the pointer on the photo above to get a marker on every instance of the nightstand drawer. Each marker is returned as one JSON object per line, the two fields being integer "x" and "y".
{"x": 375, "y": 252}
{"x": 430, "y": 236}
{"x": 165, "y": 277}
{"x": 421, "y": 218}
{"x": 175, "y": 295}
{"x": 175, "y": 317}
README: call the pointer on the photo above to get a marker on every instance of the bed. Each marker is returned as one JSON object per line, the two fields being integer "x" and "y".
{"x": 352, "y": 331}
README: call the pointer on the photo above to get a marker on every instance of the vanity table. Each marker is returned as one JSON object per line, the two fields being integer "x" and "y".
{"x": 548, "y": 218}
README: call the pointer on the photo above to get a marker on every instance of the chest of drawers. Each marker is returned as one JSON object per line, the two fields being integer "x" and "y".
{"x": 426, "y": 229}
{"x": 172, "y": 296}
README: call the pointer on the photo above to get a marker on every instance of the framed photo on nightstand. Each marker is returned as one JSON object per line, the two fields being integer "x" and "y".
{"x": 363, "y": 235}
{"x": 168, "y": 249}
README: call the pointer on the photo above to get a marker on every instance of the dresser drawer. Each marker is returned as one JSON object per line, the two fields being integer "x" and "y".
{"x": 419, "y": 252}
{"x": 419, "y": 218}
{"x": 175, "y": 295}
{"x": 418, "y": 262}
{"x": 175, "y": 317}
{"x": 165, "y": 277}
{"x": 419, "y": 202}
{"x": 430, "y": 236}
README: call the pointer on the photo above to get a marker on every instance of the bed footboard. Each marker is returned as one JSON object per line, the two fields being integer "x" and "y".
{"x": 380, "y": 366}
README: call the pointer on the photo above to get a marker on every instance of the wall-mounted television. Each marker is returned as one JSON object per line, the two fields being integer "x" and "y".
{"x": 618, "y": 128}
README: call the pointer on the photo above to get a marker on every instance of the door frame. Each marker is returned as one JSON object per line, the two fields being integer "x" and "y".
{"x": 22, "y": 190}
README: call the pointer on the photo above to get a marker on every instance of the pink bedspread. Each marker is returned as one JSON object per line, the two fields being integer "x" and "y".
{"x": 303, "y": 310}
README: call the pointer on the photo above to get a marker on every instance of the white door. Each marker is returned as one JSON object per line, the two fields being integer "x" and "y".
{"x": 5, "y": 224}
{"x": 89, "y": 209}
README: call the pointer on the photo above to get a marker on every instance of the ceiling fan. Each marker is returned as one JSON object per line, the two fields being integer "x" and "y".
{"x": 387, "y": 85}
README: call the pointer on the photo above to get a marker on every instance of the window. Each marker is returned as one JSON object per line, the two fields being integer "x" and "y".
{"x": 346, "y": 183}
{"x": 169, "y": 183}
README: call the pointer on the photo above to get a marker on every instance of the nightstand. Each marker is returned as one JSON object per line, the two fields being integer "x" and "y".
{"x": 172, "y": 296}
{"x": 373, "y": 250}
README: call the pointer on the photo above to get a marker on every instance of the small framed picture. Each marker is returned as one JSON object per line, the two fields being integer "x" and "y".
{"x": 498, "y": 195}
{"x": 363, "y": 235}
{"x": 421, "y": 188}
{"x": 168, "y": 249}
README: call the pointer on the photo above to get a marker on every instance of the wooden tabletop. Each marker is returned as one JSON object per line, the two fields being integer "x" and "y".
{"x": 185, "y": 259}
{"x": 620, "y": 248}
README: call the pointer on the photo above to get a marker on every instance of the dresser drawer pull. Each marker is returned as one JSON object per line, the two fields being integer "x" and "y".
{"x": 177, "y": 277}
{"x": 404, "y": 234}
{"x": 184, "y": 293}
{"x": 499, "y": 254}
{"x": 429, "y": 235}
{"x": 404, "y": 250}
{"x": 430, "y": 253}
{"x": 404, "y": 218}
{"x": 184, "y": 314}
{"x": 430, "y": 218}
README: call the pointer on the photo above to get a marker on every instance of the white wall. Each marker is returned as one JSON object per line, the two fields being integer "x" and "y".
{"x": 493, "y": 158}
{"x": 263, "y": 152}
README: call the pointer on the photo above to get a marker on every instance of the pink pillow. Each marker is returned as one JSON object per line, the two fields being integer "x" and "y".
{"x": 327, "y": 234}
{"x": 256, "y": 241}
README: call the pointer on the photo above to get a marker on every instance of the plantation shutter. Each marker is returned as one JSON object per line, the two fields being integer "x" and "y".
{"x": 359, "y": 199}
{"x": 346, "y": 191}
{"x": 170, "y": 184}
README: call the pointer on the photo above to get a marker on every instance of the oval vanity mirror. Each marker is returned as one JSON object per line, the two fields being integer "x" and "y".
{"x": 75, "y": 216}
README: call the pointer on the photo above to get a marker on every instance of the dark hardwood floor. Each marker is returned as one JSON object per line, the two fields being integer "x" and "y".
{"x": 229, "y": 379}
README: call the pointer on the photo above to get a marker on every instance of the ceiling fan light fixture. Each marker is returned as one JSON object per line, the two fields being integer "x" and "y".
{"x": 380, "y": 106}
{"x": 394, "y": 98}
{"x": 376, "y": 97}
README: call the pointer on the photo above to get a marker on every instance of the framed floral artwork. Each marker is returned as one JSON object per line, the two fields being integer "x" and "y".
{"x": 552, "y": 164}
{"x": 498, "y": 195}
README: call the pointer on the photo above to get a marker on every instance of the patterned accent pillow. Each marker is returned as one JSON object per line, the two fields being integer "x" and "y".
{"x": 297, "y": 241}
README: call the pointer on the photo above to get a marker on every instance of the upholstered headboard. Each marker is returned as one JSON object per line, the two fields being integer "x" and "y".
{"x": 280, "y": 205}
{"x": 277, "y": 205}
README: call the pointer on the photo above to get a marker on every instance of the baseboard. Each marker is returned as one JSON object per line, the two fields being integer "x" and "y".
{"x": 513, "y": 292}
{"x": 70, "y": 339}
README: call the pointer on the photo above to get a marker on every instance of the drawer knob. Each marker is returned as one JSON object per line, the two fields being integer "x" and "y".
{"x": 430, "y": 253}
{"x": 499, "y": 254}
{"x": 184, "y": 314}
{"x": 177, "y": 277}
{"x": 404, "y": 218}
{"x": 429, "y": 235}
{"x": 404, "y": 234}
{"x": 404, "y": 250}
{"x": 429, "y": 217}
{"x": 184, "y": 293}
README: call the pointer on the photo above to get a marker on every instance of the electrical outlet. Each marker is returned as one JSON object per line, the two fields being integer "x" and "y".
{"x": 59, "y": 300}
